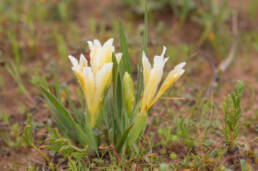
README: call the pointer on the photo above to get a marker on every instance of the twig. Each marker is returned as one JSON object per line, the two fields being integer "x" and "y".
{"x": 225, "y": 63}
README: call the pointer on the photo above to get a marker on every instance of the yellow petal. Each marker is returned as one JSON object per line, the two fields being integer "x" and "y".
{"x": 95, "y": 49}
{"x": 146, "y": 68}
{"x": 106, "y": 52}
{"x": 103, "y": 78}
{"x": 151, "y": 88}
{"x": 80, "y": 78}
{"x": 173, "y": 76}
{"x": 90, "y": 89}
{"x": 153, "y": 82}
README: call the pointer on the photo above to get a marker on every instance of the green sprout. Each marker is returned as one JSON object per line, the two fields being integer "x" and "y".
{"x": 232, "y": 113}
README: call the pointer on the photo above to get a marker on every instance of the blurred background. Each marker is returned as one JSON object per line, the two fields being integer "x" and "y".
{"x": 217, "y": 38}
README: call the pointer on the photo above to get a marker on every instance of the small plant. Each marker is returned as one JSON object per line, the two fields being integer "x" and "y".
{"x": 114, "y": 117}
{"x": 13, "y": 70}
{"x": 232, "y": 113}
{"x": 10, "y": 132}
{"x": 28, "y": 139}
{"x": 167, "y": 136}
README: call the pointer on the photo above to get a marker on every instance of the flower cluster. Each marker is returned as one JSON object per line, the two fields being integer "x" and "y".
{"x": 97, "y": 77}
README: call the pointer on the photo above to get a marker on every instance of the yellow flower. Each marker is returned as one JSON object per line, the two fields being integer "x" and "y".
{"x": 95, "y": 86}
{"x": 95, "y": 79}
{"x": 152, "y": 77}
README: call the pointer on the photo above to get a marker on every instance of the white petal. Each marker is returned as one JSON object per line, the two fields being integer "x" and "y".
{"x": 152, "y": 85}
{"x": 90, "y": 44}
{"x": 145, "y": 61}
{"x": 97, "y": 43}
{"x": 163, "y": 51}
{"x": 87, "y": 71}
{"x": 89, "y": 82}
{"x": 180, "y": 66}
{"x": 177, "y": 71}
{"x": 109, "y": 42}
{"x": 73, "y": 60}
{"x": 146, "y": 68}
{"x": 159, "y": 61}
{"x": 106, "y": 52}
{"x": 83, "y": 61}
{"x": 118, "y": 57}
{"x": 181, "y": 72}
{"x": 103, "y": 77}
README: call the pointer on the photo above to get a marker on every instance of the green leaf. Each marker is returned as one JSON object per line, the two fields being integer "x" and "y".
{"x": 57, "y": 89}
{"x": 123, "y": 138}
{"x": 139, "y": 83}
{"x": 145, "y": 34}
{"x": 125, "y": 65}
{"x": 70, "y": 126}
{"x": 138, "y": 128}
{"x": 27, "y": 135}
{"x": 78, "y": 116}
{"x": 63, "y": 116}
{"x": 118, "y": 99}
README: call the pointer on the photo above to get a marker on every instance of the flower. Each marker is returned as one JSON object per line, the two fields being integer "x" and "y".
{"x": 99, "y": 55}
{"x": 95, "y": 79}
{"x": 152, "y": 77}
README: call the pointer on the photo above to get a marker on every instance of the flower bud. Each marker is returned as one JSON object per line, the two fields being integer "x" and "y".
{"x": 128, "y": 92}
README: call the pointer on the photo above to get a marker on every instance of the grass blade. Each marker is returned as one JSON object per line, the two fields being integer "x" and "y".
{"x": 145, "y": 34}
{"x": 125, "y": 61}
{"x": 137, "y": 129}
{"x": 57, "y": 89}
{"x": 72, "y": 128}
{"x": 78, "y": 115}
{"x": 118, "y": 96}
{"x": 123, "y": 138}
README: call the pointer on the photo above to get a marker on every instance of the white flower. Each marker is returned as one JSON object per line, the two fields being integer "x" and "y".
{"x": 99, "y": 55}
{"x": 152, "y": 77}
{"x": 96, "y": 78}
